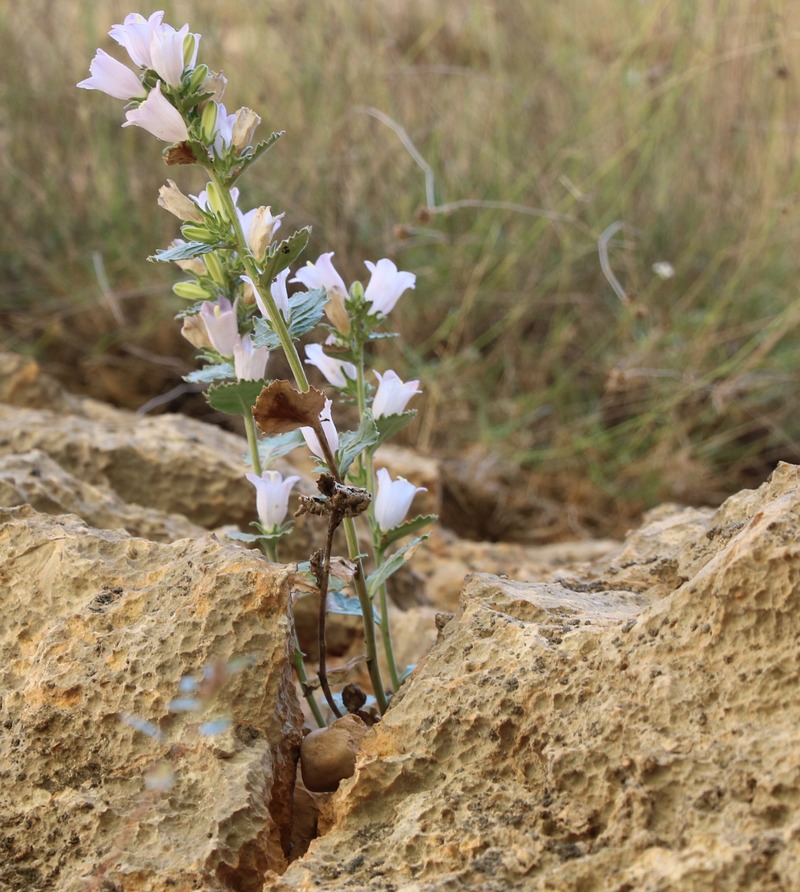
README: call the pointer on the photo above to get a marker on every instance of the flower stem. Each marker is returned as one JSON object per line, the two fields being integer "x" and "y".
{"x": 293, "y": 358}
{"x": 275, "y": 316}
{"x": 252, "y": 441}
{"x": 302, "y": 677}
{"x": 386, "y": 634}
{"x": 366, "y": 613}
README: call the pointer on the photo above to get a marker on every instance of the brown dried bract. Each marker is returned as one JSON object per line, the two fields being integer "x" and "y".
{"x": 181, "y": 153}
{"x": 280, "y": 408}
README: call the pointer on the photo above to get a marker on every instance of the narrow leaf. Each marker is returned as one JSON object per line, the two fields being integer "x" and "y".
{"x": 346, "y": 605}
{"x": 272, "y": 448}
{"x": 389, "y": 425}
{"x": 407, "y": 528}
{"x": 392, "y": 565}
{"x": 352, "y": 443}
{"x": 185, "y": 251}
{"x": 251, "y": 156}
{"x": 218, "y": 371}
{"x": 305, "y": 311}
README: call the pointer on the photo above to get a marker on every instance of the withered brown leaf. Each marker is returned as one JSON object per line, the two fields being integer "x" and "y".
{"x": 280, "y": 408}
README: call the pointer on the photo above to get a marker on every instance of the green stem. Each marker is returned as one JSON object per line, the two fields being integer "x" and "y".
{"x": 252, "y": 441}
{"x": 368, "y": 469}
{"x": 275, "y": 316}
{"x": 300, "y": 669}
{"x": 386, "y": 634}
{"x": 293, "y": 358}
{"x": 367, "y": 615}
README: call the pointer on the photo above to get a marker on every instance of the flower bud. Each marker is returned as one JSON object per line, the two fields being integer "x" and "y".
{"x": 191, "y": 291}
{"x": 208, "y": 121}
{"x": 197, "y": 78}
{"x": 215, "y": 268}
{"x": 215, "y": 202}
{"x": 190, "y": 44}
{"x": 197, "y": 233}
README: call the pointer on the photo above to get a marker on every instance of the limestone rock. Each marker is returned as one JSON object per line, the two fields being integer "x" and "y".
{"x": 97, "y": 624}
{"x": 638, "y": 731}
{"x": 35, "y": 479}
{"x": 23, "y": 383}
{"x": 152, "y": 462}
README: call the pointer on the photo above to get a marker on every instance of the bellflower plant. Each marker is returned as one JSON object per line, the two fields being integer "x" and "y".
{"x": 239, "y": 309}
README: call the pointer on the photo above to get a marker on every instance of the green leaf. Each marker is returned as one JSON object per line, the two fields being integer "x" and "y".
{"x": 407, "y": 528}
{"x": 305, "y": 311}
{"x": 191, "y": 310}
{"x": 186, "y": 251}
{"x": 235, "y": 397}
{"x": 347, "y": 605}
{"x": 352, "y": 443}
{"x": 246, "y": 160}
{"x": 243, "y": 537}
{"x": 389, "y": 425}
{"x": 219, "y": 371}
{"x": 283, "y": 254}
{"x": 392, "y": 564}
{"x": 278, "y": 445}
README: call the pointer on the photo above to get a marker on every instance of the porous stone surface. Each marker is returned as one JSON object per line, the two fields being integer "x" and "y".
{"x": 147, "y": 461}
{"x": 97, "y": 625}
{"x": 36, "y": 479}
{"x": 632, "y": 727}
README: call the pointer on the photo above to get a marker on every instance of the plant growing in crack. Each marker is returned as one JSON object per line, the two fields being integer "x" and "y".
{"x": 240, "y": 310}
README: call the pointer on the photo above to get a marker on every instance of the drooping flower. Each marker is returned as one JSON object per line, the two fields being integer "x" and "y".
{"x": 333, "y": 369}
{"x": 136, "y": 34}
{"x": 393, "y": 500}
{"x": 112, "y": 77}
{"x": 221, "y": 324}
{"x": 279, "y": 293}
{"x": 153, "y": 44}
{"x": 168, "y": 53}
{"x": 386, "y": 285}
{"x": 322, "y": 274}
{"x": 272, "y": 497}
{"x": 159, "y": 117}
{"x": 173, "y": 200}
{"x": 392, "y": 395}
{"x": 249, "y": 361}
{"x": 329, "y": 429}
{"x": 223, "y": 132}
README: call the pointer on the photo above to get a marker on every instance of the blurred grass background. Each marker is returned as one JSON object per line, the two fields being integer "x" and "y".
{"x": 658, "y": 130}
